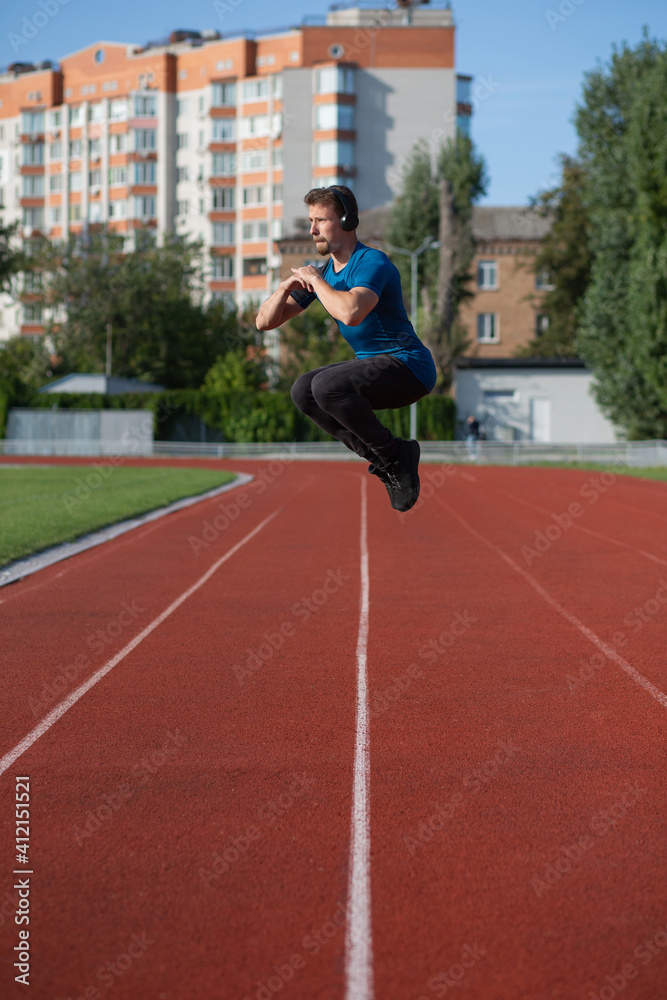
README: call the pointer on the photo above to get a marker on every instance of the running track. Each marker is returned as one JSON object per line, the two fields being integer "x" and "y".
{"x": 466, "y": 826}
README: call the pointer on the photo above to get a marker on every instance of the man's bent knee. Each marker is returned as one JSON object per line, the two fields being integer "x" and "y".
{"x": 301, "y": 393}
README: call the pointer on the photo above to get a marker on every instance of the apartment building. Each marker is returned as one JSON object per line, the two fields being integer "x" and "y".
{"x": 505, "y": 312}
{"x": 219, "y": 138}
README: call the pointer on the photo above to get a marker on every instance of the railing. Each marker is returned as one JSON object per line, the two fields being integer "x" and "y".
{"x": 636, "y": 454}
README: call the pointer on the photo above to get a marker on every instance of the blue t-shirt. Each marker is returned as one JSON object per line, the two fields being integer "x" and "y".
{"x": 386, "y": 329}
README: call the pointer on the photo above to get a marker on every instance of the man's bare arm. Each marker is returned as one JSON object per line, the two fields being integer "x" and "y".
{"x": 349, "y": 307}
{"x": 279, "y": 307}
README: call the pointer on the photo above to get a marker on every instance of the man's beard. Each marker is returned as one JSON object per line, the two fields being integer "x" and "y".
{"x": 323, "y": 248}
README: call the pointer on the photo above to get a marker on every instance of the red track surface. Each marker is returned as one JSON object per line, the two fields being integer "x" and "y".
{"x": 486, "y": 770}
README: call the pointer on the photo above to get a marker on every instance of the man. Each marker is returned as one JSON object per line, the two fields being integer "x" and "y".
{"x": 472, "y": 436}
{"x": 361, "y": 289}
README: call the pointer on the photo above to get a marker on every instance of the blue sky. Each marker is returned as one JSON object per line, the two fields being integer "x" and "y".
{"x": 532, "y": 53}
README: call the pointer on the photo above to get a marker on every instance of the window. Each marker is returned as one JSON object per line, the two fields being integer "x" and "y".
{"x": 33, "y": 217}
{"x": 32, "y": 312}
{"x": 145, "y": 105}
{"x": 487, "y": 274}
{"x": 255, "y": 90}
{"x": 55, "y": 119}
{"x": 32, "y": 281}
{"x": 464, "y": 90}
{"x": 277, "y": 192}
{"x": 75, "y": 149}
{"x": 76, "y": 115}
{"x": 224, "y": 164}
{"x": 95, "y": 211}
{"x": 75, "y": 213}
{"x": 182, "y": 140}
{"x": 541, "y": 324}
{"x": 254, "y": 195}
{"x": 32, "y": 122}
{"x": 181, "y": 174}
{"x": 506, "y": 394}
{"x": 33, "y": 154}
{"x": 334, "y": 116}
{"x": 277, "y": 81}
{"x": 258, "y": 229}
{"x": 487, "y": 328}
{"x": 94, "y": 178}
{"x": 96, "y": 112}
{"x": 144, "y": 207}
{"x": 144, "y": 139}
{"x": 182, "y": 207}
{"x": 254, "y": 159}
{"x": 543, "y": 281}
{"x": 463, "y": 124}
{"x": 224, "y": 95}
{"x": 144, "y": 173}
{"x": 334, "y": 80}
{"x": 55, "y": 216}
{"x": 223, "y": 199}
{"x": 253, "y": 266}
{"x": 56, "y": 150}
{"x": 118, "y": 109}
{"x": 55, "y": 182}
{"x": 202, "y": 139}
{"x": 223, "y": 233}
{"x": 33, "y": 187}
{"x": 182, "y": 105}
{"x": 334, "y": 154}
{"x": 277, "y": 229}
{"x": 222, "y": 269}
{"x": 117, "y": 176}
{"x": 75, "y": 180}
{"x": 224, "y": 129}
{"x": 255, "y": 125}
{"x": 94, "y": 149}
{"x": 118, "y": 142}
{"x": 277, "y": 156}
{"x": 117, "y": 209}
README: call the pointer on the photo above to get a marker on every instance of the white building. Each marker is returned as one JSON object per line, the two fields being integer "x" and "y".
{"x": 528, "y": 399}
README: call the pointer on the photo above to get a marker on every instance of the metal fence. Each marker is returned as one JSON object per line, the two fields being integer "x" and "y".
{"x": 637, "y": 454}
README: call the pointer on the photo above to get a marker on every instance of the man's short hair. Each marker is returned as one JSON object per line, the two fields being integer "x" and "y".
{"x": 326, "y": 196}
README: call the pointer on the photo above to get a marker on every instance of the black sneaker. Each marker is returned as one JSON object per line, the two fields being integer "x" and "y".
{"x": 401, "y": 477}
{"x": 391, "y": 483}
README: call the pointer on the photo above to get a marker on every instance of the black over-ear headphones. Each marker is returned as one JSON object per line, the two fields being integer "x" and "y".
{"x": 349, "y": 220}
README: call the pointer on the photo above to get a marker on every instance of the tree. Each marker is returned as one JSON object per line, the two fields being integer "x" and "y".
{"x": 415, "y": 215}
{"x": 565, "y": 256}
{"x": 461, "y": 181}
{"x": 622, "y": 126}
{"x": 11, "y": 258}
{"x": 437, "y": 200}
{"x": 24, "y": 368}
{"x": 149, "y": 299}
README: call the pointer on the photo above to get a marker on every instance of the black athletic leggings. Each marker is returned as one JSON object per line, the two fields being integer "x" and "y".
{"x": 341, "y": 398}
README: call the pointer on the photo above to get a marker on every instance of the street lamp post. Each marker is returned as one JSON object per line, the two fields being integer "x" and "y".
{"x": 428, "y": 244}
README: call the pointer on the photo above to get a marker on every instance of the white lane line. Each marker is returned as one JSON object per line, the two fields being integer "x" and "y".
{"x": 60, "y": 709}
{"x": 599, "y": 643}
{"x": 358, "y": 943}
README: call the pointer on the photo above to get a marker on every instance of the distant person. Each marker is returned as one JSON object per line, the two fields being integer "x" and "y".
{"x": 361, "y": 289}
{"x": 473, "y": 435}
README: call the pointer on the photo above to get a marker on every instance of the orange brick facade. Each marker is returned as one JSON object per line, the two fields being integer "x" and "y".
{"x": 514, "y": 302}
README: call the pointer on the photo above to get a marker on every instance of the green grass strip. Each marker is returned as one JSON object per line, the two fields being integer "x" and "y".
{"x": 41, "y": 506}
{"x": 653, "y": 472}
